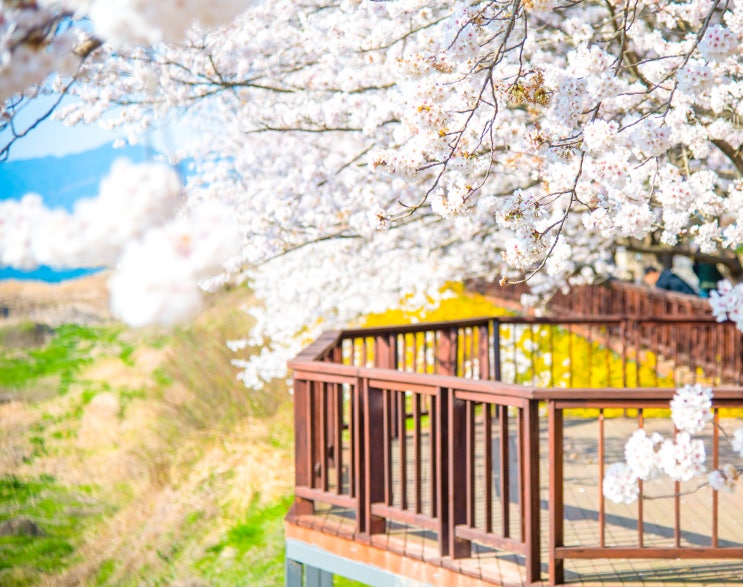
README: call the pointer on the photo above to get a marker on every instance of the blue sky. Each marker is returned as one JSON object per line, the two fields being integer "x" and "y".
{"x": 52, "y": 137}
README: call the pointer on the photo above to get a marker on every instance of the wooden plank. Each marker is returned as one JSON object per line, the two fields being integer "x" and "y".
{"x": 423, "y": 389}
{"x": 405, "y": 516}
{"x": 489, "y": 398}
{"x": 476, "y": 535}
{"x": 344, "y": 501}
{"x": 671, "y": 552}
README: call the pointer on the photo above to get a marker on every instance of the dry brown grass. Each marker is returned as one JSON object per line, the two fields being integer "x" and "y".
{"x": 232, "y": 469}
{"x": 171, "y": 439}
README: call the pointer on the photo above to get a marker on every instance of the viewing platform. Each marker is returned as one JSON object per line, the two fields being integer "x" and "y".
{"x": 472, "y": 452}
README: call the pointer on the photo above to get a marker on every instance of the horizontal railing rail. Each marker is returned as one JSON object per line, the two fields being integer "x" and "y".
{"x": 437, "y": 426}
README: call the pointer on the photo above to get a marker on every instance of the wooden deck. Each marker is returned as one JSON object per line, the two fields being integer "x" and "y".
{"x": 334, "y": 527}
{"x": 497, "y": 480}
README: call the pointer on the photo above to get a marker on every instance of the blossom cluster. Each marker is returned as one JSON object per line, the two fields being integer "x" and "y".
{"x": 727, "y": 303}
{"x": 481, "y": 136}
{"x": 680, "y": 459}
{"x": 28, "y": 54}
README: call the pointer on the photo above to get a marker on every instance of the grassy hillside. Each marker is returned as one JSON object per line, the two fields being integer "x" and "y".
{"x": 136, "y": 458}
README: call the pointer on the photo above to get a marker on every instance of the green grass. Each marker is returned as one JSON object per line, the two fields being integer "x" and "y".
{"x": 71, "y": 348}
{"x": 253, "y": 548}
{"x": 59, "y": 513}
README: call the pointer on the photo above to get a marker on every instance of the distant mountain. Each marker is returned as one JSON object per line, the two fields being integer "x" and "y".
{"x": 63, "y": 180}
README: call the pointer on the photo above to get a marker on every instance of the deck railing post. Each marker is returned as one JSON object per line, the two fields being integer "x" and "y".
{"x": 358, "y": 452}
{"x": 457, "y": 477}
{"x": 531, "y": 491}
{"x": 441, "y": 447}
{"x": 302, "y": 444}
{"x": 371, "y": 454}
{"x": 555, "y": 503}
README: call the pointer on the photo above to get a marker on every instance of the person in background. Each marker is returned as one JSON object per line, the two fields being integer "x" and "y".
{"x": 708, "y": 276}
{"x": 668, "y": 280}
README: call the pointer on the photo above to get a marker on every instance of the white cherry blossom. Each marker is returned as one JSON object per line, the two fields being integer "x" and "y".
{"x": 620, "y": 484}
{"x": 480, "y": 137}
{"x": 691, "y": 408}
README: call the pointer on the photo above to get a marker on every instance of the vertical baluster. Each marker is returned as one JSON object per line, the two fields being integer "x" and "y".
{"x": 324, "y": 436}
{"x": 601, "y": 459}
{"x": 639, "y": 343}
{"x": 552, "y": 355}
{"x": 402, "y": 447}
{"x": 607, "y": 353}
{"x": 737, "y": 354}
{"x": 448, "y": 352}
{"x": 533, "y": 351}
{"x": 556, "y": 506}
{"x": 337, "y": 398}
{"x": 487, "y": 489}
{"x": 433, "y": 410}
{"x": 505, "y": 481}
{"x": 317, "y": 440}
{"x": 352, "y": 440}
{"x": 514, "y": 346}
{"x": 694, "y": 348}
{"x": 674, "y": 330}
{"x": 483, "y": 353}
{"x": 520, "y": 481}
{"x": 623, "y": 337}
{"x": 715, "y": 465}
{"x": 676, "y": 509}
{"x": 418, "y": 453}
{"x": 657, "y": 352}
{"x": 414, "y": 349}
{"x": 470, "y": 464}
{"x": 389, "y": 497}
{"x": 590, "y": 354}
{"x": 640, "y": 504}
{"x": 496, "y": 351}
{"x": 570, "y": 354}
{"x": 428, "y": 342}
{"x": 718, "y": 353}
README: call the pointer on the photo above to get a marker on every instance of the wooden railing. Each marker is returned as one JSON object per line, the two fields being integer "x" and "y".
{"x": 628, "y": 299}
{"x": 612, "y": 297}
{"x": 619, "y": 298}
{"x": 437, "y": 426}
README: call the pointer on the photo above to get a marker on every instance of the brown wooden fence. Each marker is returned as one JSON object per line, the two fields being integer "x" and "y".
{"x": 437, "y": 426}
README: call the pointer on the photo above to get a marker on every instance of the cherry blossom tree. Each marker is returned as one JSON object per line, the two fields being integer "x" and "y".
{"x": 350, "y": 156}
